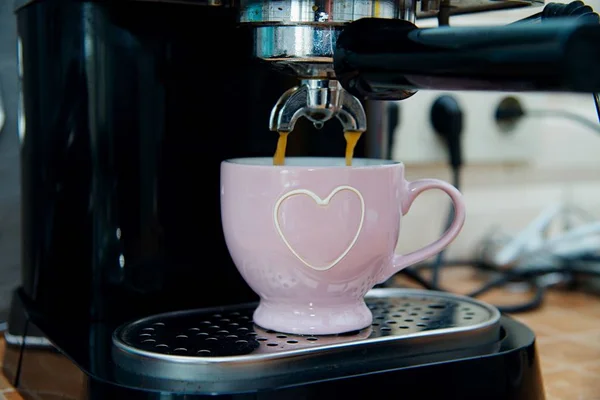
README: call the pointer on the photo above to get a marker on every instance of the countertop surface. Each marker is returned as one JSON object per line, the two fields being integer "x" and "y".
{"x": 567, "y": 327}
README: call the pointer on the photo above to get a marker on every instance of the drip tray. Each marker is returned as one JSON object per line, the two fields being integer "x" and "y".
{"x": 214, "y": 350}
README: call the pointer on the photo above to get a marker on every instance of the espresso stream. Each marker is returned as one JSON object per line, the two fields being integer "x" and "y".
{"x": 279, "y": 157}
{"x": 351, "y": 137}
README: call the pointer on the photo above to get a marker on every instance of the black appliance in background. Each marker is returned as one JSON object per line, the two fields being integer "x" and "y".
{"x": 127, "y": 108}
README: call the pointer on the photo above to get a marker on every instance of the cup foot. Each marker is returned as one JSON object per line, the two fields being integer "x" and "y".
{"x": 307, "y": 320}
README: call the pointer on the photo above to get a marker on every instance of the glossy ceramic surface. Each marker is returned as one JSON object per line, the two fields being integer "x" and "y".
{"x": 313, "y": 236}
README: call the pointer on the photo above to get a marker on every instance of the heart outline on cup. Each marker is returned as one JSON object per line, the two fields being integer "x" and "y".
{"x": 319, "y": 202}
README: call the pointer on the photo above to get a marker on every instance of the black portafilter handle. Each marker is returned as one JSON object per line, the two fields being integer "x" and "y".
{"x": 386, "y": 59}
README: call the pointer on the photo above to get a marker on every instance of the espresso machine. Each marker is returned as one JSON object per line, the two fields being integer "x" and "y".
{"x": 127, "y": 109}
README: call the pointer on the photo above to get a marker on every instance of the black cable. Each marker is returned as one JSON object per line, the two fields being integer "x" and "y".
{"x": 597, "y": 104}
{"x": 415, "y": 277}
{"x": 447, "y": 120}
{"x": 570, "y": 265}
{"x": 504, "y": 278}
{"x": 535, "y": 302}
{"x": 439, "y": 259}
{"x": 513, "y": 110}
{"x": 525, "y": 275}
{"x": 571, "y": 116}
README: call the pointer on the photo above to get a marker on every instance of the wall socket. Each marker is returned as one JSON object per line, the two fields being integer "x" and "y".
{"x": 485, "y": 142}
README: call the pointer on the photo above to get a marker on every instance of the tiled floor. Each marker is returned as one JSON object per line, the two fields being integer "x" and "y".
{"x": 567, "y": 329}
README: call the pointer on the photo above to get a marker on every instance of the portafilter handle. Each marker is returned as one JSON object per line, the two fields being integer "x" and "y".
{"x": 391, "y": 59}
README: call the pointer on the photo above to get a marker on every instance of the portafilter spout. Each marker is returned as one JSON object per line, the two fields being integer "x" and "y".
{"x": 318, "y": 100}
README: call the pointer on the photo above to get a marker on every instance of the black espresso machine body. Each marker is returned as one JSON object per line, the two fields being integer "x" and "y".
{"x": 127, "y": 110}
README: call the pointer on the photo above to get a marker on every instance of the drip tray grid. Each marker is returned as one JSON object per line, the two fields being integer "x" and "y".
{"x": 222, "y": 349}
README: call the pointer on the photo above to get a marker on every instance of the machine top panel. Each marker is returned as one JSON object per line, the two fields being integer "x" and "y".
{"x": 426, "y": 8}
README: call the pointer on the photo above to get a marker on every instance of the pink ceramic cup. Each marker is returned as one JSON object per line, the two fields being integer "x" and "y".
{"x": 313, "y": 236}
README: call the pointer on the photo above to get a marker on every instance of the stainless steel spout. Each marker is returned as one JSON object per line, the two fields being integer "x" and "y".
{"x": 318, "y": 101}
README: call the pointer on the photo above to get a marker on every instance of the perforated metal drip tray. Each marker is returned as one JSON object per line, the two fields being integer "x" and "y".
{"x": 222, "y": 350}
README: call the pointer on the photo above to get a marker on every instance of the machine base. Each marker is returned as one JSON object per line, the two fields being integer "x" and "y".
{"x": 84, "y": 368}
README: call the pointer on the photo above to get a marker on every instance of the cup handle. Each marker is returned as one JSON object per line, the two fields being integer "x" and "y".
{"x": 415, "y": 188}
